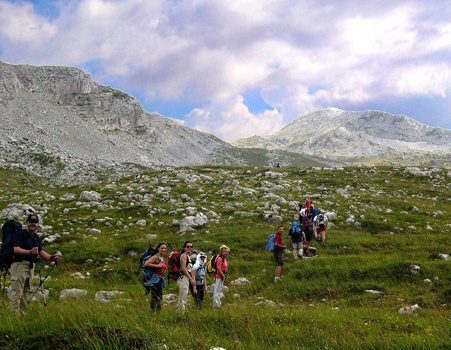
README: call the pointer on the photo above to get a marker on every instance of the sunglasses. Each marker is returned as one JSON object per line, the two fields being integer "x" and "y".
{"x": 188, "y": 246}
{"x": 33, "y": 221}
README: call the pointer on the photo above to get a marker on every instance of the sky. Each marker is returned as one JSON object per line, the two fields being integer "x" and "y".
{"x": 246, "y": 67}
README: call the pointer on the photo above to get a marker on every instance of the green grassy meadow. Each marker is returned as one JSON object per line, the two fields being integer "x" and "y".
{"x": 387, "y": 221}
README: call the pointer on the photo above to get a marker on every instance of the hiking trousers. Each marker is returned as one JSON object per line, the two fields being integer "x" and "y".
{"x": 156, "y": 292}
{"x": 21, "y": 286}
{"x": 297, "y": 248}
{"x": 183, "y": 284}
{"x": 199, "y": 297}
{"x": 217, "y": 292}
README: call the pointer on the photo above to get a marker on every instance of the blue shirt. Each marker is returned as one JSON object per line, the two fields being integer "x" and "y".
{"x": 200, "y": 275}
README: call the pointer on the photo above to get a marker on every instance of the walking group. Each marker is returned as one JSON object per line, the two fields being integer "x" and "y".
{"x": 312, "y": 223}
{"x": 189, "y": 270}
{"x": 21, "y": 248}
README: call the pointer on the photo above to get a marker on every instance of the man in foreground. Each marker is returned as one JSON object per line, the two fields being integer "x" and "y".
{"x": 27, "y": 247}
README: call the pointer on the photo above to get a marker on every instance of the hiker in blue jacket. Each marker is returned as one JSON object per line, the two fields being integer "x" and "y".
{"x": 156, "y": 283}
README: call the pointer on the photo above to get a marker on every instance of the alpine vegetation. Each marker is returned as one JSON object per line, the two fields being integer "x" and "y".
{"x": 380, "y": 280}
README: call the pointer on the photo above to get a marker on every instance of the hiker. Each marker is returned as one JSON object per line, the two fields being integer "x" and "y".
{"x": 184, "y": 281}
{"x": 220, "y": 276}
{"x": 303, "y": 211}
{"x": 279, "y": 247}
{"x": 314, "y": 211}
{"x": 199, "y": 275}
{"x": 308, "y": 202}
{"x": 307, "y": 229}
{"x": 27, "y": 248}
{"x": 296, "y": 238}
{"x": 156, "y": 283}
{"x": 321, "y": 222}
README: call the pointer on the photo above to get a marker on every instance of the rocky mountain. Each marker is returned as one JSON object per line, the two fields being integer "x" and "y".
{"x": 60, "y": 115}
{"x": 58, "y": 122}
{"x": 371, "y": 136}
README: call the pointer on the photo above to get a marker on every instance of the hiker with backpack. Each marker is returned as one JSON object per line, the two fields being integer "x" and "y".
{"x": 296, "y": 238}
{"x": 321, "y": 222}
{"x": 10, "y": 227}
{"x": 279, "y": 248}
{"x": 199, "y": 275}
{"x": 221, "y": 270}
{"x": 156, "y": 281}
{"x": 303, "y": 211}
{"x": 314, "y": 211}
{"x": 307, "y": 229}
{"x": 184, "y": 281}
{"x": 26, "y": 248}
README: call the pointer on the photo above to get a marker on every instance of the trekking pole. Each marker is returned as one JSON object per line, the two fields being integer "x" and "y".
{"x": 41, "y": 283}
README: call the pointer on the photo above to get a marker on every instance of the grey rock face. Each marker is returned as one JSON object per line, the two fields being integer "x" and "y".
{"x": 57, "y": 120}
{"x": 336, "y": 134}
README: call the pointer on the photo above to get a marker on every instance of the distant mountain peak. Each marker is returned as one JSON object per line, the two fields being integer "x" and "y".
{"x": 337, "y": 134}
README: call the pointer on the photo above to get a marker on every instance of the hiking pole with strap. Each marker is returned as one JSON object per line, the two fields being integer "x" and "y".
{"x": 42, "y": 280}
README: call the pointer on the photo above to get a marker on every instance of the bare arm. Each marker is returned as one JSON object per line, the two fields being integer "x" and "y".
{"x": 20, "y": 251}
{"x": 153, "y": 262}
{"x": 194, "y": 278}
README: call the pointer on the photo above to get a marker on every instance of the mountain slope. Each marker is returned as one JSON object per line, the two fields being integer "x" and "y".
{"x": 58, "y": 122}
{"x": 70, "y": 115}
{"x": 337, "y": 134}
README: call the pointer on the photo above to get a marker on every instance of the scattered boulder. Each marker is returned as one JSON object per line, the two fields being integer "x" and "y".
{"x": 240, "y": 281}
{"x": 193, "y": 222}
{"x": 90, "y": 195}
{"x": 408, "y": 309}
{"x": 73, "y": 293}
{"x": 107, "y": 295}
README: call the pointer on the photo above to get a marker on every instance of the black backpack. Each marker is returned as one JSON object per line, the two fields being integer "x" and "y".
{"x": 9, "y": 229}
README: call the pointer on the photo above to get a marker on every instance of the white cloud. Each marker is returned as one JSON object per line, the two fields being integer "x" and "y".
{"x": 230, "y": 119}
{"x": 20, "y": 25}
{"x": 426, "y": 79}
{"x": 301, "y": 55}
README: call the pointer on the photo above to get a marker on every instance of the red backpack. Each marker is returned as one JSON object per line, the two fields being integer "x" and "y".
{"x": 174, "y": 265}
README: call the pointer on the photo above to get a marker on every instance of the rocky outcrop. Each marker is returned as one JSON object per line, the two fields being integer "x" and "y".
{"x": 337, "y": 134}
{"x": 57, "y": 120}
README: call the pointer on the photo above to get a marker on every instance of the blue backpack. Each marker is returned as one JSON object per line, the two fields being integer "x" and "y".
{"x": 146, "y": 272}
{"x": 315, "y": 212}
{"x": 270, "y": 243}
{"x": 295, "y": 230}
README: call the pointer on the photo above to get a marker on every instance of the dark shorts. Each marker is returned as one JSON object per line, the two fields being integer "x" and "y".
{"x": 308, "y": 233}
{"x": 278, "y": 257}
